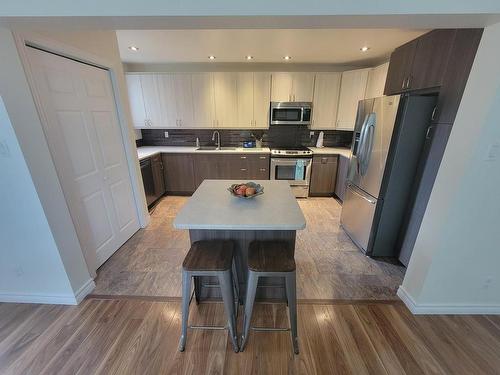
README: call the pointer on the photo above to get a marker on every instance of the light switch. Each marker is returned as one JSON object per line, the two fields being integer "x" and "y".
{"x": 493, "y": 152}
{"x": 4, "y": 149}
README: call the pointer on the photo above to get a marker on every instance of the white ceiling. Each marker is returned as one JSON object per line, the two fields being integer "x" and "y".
{"x": 332, "y": 46}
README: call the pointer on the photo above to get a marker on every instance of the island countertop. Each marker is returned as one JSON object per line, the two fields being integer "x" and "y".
{"x": 212, "y": 207}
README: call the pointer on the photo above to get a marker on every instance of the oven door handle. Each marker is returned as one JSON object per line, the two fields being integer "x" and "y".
{"x": 283, "y": 161}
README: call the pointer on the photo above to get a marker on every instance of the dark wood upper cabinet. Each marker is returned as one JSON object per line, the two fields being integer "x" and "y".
{"x": 400, "y": 67}
{"x": 178, "y": 170}
{"x": 323, "y": 175}
{"x": 457, "y": 71}
{"x": 431, "y": 58}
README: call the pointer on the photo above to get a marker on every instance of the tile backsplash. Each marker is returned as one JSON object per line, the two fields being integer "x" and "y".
{"x": 275, "y": 136}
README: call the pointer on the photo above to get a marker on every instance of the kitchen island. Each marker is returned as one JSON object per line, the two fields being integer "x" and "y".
{"x": 213, "y": 213}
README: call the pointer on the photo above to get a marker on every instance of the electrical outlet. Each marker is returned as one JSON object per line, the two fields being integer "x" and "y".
{"x": 166, "y": 134}
{"x": 311, "y": 134}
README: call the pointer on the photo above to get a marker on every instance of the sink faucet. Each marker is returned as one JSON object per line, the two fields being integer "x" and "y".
{"x": 218, "y": 138}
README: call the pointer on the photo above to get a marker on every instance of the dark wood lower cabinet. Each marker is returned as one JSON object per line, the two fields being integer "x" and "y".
{"x": 323, "y": 175}
{"x": 178, "y": 170}
{"x": 242, "y": 167}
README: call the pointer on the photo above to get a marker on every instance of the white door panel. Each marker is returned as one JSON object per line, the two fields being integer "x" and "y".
{"x": 136, "y": 100}
{"x": 82, "y": 130}
{"x": 261, "y": 99}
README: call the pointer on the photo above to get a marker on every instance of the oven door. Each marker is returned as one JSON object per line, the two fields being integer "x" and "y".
{"x": 286, "y": 169}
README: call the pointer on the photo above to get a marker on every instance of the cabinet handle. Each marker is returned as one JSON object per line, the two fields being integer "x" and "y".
{"x": 263, "y": 169}
{"x": 243, "y": 157}
{"x": 243, "y": 169}
{"x": 262, "y": 157}
{"x": 404, "y": 83}
{"x": 433, "y": 113}
{"x": 408, "y": 82}
{"x": 324, "y": 160}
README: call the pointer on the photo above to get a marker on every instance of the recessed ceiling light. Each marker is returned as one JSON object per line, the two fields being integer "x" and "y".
{"x": 133, "y": 48}
{"x": 364, "y": 49}
{"x": 287, "y": 57}
{"x": 211, "y": 57}
{"x": 248, "y": 57}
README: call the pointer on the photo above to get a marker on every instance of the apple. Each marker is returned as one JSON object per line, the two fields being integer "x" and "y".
{"x": 250, "y": 191}
{"x": 241, "y": 190}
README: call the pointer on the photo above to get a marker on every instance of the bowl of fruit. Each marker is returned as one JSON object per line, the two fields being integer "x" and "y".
{"x": 246, "y": 190}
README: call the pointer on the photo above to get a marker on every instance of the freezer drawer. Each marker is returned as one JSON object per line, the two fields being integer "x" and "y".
{"x": 357, "y": 215}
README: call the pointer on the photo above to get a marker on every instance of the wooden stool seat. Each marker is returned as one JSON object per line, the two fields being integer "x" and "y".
{"x": 270, "y": 256}
{"x": 214, "y": 255}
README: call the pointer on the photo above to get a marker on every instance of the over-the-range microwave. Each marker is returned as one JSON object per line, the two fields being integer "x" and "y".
{"x": 290, "y": 113}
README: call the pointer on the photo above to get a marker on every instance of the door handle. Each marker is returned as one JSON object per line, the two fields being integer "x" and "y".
{"x": 428, "y": 132}
{"x": 361, "y": 195}
{"x": 433, "y": 113}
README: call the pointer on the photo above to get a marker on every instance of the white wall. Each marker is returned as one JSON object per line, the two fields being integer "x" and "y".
{"x": 455, "y": 265}
{"x": 28, "y": 130}
{"x": 31, "y": 268}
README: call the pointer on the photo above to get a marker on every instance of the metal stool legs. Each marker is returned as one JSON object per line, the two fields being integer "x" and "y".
{"x": 226, "y": 285}
{"x": 290, "y": 281}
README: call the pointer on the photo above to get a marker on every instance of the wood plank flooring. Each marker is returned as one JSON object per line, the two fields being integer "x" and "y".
{"x": 329, "y": 265}
{"x": 133, "y": 336}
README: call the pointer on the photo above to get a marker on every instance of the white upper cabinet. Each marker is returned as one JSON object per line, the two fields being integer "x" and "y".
{"x": 226, "y": 100}
{"x": 149, "y": 84}
{"x": 282, "y": 86}
{"x": 183, "y": 99}
{"x": 245, "y": 99}
{"x": 303, "y": 87}
{"x": 292, "y": 87}
{"x": 166, "y": 89}
{"x": 352, "y": 90}
{"x": 203, "y": 100}
{"x": 261, "y": 99}
{"x": 376, "y": 81}
{"x": 136, "y": 100}
{"x": 326, "y": 100}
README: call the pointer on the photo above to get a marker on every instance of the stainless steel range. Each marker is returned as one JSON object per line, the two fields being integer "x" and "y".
{"x": 292, "y": 164}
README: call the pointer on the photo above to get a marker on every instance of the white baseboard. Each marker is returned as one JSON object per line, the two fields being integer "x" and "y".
{"x": 445, "y": 309}
{"x": 50, "y": 299}
{"x": 57, "y": 299}
{"x": 84, "y": 290}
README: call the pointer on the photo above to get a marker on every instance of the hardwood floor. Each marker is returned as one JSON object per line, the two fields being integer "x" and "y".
{"x": 329, "y": 265}
{"x": 133, "y": 336}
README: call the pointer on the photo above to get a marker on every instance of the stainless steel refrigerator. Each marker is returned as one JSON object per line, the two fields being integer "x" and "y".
{"x": 388, "y": 139}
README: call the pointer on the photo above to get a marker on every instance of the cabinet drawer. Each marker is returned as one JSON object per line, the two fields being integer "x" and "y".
{"x": 325, "y": 159}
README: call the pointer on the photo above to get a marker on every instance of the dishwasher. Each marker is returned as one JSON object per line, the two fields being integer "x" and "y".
{"x": 148, "y": 180}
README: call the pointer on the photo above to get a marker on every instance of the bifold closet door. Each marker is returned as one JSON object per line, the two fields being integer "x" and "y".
{"x": 78, "y": 111}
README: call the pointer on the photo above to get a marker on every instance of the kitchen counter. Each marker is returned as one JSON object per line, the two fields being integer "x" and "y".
{"x": 346, "y": 152}
{"x": 148, "y": 151}
{"x": 212, "y": 207}
{"x": 212, "y": 212}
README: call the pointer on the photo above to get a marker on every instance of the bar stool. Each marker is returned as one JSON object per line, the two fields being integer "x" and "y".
{"x": 271, "y": 258}
{"x": 210, "y": 258}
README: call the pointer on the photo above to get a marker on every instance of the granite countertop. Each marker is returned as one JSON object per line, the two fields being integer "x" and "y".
{"x": 331, "y": 151}
{"x": 148, "y": 151}
{"x": 213, "y": 207}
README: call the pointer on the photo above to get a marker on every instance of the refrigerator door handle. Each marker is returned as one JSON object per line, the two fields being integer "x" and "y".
{"x": 367, "y": 145}
{"x": 354, "y": 190}
{"x": 359, "y": 154}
